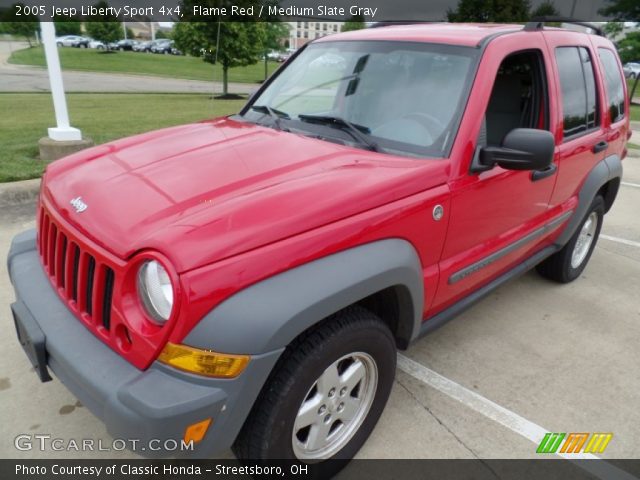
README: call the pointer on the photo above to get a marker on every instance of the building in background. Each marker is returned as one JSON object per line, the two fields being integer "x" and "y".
{"x": 301, "y": 33}
{"x": 147, "y": 30}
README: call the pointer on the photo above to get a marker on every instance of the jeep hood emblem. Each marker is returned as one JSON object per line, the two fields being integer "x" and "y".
{"x": 78, "y": 204}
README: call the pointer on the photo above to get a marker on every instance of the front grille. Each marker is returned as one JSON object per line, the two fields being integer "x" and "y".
{"x": 84, "y": 282}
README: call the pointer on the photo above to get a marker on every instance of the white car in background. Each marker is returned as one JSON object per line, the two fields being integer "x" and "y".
{"x": 96, "y": 44}
{"x": 68, "y": 40}
{"x": 631, "y": 70}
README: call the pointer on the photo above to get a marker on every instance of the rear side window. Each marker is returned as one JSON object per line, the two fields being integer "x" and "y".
{"x": 579, "y": 98}
{"x": 613, "y": 82}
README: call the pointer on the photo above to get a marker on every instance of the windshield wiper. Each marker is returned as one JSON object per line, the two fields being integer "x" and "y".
{"x": 275, "y": 114}
{"x": 355, "y": 130}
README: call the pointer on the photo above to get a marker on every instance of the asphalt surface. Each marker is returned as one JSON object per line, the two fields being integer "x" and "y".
{"x": 564, "y": 358}
{"x": 22, "y": 78}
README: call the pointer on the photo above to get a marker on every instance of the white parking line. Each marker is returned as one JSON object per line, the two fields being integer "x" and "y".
{"x": 627, "y": 184}
{"x": 514, "y": 422}
{"x": 624, "y": 241}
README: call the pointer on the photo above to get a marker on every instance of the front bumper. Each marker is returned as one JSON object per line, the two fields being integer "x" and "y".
{"x": 149, "y": 406}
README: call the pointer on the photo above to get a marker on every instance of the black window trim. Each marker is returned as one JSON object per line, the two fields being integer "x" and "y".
{"x": 598, "y": 125}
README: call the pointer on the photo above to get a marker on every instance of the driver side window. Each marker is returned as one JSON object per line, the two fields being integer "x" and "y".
{"x": 519, "y": 98}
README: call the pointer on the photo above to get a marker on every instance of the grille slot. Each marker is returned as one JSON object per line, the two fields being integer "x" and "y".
{"x": 108, "y": 296}
{"x": 61, "y": 259}
{"x": 76, "y": 267}
{"x": 91, "y": 270}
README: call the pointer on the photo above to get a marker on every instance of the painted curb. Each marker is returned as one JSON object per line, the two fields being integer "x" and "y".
{"x": 17, "y": 193}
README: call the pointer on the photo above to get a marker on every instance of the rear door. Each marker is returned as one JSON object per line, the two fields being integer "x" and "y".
{"x": 580, "y": 135}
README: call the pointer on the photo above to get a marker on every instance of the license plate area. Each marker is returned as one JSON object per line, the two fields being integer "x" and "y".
{"x": 32, "y": 339}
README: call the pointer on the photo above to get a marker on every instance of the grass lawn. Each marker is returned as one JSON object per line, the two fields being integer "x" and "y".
{"x": 102, "y": 117}
{"x": 186, "y": 67}
{"x": 635, "y": 113}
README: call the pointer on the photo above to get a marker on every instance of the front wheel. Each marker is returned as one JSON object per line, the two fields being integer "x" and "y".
{"x": 567, "y": 264}
{"x": 325, "y": 395}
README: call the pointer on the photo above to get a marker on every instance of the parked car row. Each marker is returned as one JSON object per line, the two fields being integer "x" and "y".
{"x": 164, "y": 45}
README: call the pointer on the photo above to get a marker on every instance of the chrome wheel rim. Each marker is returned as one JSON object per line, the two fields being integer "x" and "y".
{"x": 585, "y": 239}
{"x": 335, "y": 407}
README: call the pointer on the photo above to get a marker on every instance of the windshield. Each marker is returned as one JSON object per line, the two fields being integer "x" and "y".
{"x": 406, "y": 98}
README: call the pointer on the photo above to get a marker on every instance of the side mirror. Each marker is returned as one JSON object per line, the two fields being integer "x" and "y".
{"x": 522, "y": 149}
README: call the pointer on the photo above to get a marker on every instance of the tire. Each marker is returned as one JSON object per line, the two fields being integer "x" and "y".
{"x": 353, "y": 340}
{"x": 569, "y": 263}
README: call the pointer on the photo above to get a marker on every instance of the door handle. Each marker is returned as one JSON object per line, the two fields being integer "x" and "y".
{"x": 600, "y": 146}
{"x": 547, "y": 172}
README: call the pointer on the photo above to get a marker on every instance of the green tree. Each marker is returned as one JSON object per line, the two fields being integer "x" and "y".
{"x": 130, "y": 34}
{"x": 356, "y": 22}
{"x": 26, "y": 29}
{"x": 613, "y": 29}
{"x": 545, "y": 9}
{"x": 629, "y": 47}
{"x": 622, "y": 10}
{"x": 274, "y": 35}
{"x": 232, "y": 44}
{"x": 107, "y": 30}
{"x": 501, "y": 11}
{"x": 68, "y": 27}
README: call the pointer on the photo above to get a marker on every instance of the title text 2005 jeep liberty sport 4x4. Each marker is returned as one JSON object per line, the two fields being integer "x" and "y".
{"x": 245, "y": 282}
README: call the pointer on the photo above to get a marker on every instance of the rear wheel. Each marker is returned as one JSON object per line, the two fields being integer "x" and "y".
{"x": 325, "y": 395}
{"x": 567, "y": 264}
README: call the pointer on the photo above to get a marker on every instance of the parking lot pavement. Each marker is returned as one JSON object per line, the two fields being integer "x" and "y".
{"x": 561, "y": 358}
{"x": 22, "y": 78}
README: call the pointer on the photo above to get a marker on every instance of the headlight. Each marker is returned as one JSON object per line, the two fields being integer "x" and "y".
{"x": 155, "y": 291}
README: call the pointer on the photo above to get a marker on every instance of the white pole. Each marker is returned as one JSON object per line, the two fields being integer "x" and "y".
{"x": 124, "y": 29}
{"x": 153, "y": 31}
{"x": 63, "y": 131}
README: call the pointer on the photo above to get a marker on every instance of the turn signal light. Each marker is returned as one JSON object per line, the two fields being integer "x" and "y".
{"x": 195, "y": 432}
{"x": 203, "y": 362}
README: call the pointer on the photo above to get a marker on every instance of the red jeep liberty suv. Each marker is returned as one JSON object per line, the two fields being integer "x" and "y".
{"x": 245, "y": 282}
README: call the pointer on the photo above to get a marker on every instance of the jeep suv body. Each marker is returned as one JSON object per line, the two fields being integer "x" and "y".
{"x": 246, "y": 281}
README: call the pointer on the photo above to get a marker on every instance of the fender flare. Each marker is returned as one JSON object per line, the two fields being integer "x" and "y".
{"x": 270, "y": 314}
{"x": 604, "y": 171}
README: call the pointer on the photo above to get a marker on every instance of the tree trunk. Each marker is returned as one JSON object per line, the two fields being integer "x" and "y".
{"x": 266, "y": 72}
{"x": 225, "y": 80}
{"x": 633, "y": 90}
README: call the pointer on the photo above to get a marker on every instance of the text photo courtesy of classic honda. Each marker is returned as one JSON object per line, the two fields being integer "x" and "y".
{"x": 246, "y": 282}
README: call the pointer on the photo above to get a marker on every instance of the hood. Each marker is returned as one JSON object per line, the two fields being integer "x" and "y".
{"x": 202, "y": 192}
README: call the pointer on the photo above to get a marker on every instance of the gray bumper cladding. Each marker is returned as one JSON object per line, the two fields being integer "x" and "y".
{"x": 149, "y": 406}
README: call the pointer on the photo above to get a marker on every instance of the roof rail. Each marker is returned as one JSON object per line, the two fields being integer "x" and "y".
{"x": 538, "y": 24}
{"x": 391, "y": 23}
